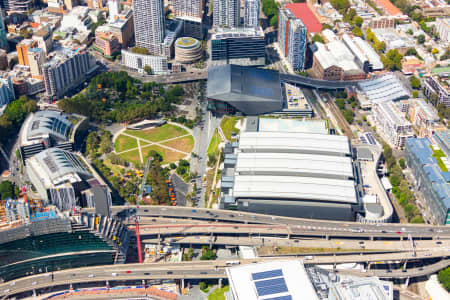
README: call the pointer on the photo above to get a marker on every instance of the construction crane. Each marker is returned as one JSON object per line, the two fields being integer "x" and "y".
{"x": 141, "y": 193}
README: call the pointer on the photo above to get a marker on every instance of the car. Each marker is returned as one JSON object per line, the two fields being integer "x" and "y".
{"x": 361, "y": 242}
{"x": 398, "y": 232}
{"x": 194, "y": 210}
{"x": 12, "y": 284}
{"x": 169, "y": 272}
{"x": 114, "y": 274}
{"x": 404, "y": 270}
{"x": 439, "y": 242}
{"x": 153, "y": 220}
{"x": 430, "y": 230}
{"x": 389, "y": 271}
{"x": 146, "y": 273}
{"x": 91, "y": 275}
{"x": 439, "y": 231}
{"x": 383, "y": 231}
{"x": 403, "y": 229}
{"x": 296, "y": 241}
{"x": 231, "y": 216}
{"x": 203, "y": 273}
{"x": 128, "y": 272}
{"x": 145, "y": 210}
{"x": 34, "y": 283}
{"x": 420, "y": 269}
{"x": 6, "y": 291}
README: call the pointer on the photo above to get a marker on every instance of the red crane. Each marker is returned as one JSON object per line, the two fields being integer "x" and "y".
{"x": 138, "y": 240}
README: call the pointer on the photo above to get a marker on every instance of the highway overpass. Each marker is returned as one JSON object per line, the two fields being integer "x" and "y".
{"x": 317, "y": 83}
{"x": 310, "y": 227}
{"x": 169, "y": 270}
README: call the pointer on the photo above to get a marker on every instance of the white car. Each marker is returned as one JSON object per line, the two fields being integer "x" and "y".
{"x": 6, "y": 291}
{"x": 91, "y": 275}
{"x": 114, "y": 274}
{"x": 34, "y": 283}
{"x": 12, "y": 284}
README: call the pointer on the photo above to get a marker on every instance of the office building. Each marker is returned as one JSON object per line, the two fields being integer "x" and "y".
{"x": 251, "y": 13}
{"x": 107, "y": 43}
{"x": 113, "y": 9}
{"x": 44, "y": 38}
{"x": 248, "y": 90}
{"x": 292, "y": 280}
{"x": 334, "y": 61}
{"x": 19, "y": 6}
{"x": 226, "y": 13}
{"x": 45, "y": 129}
{"x": 424, "y": 117}
{"x": 3, "y": 39}
{"x": 187, "y": 50}
{"x": 292, "y": 38}
{"x": 240, "y": 46}
{"x": 299, "y": 174}
{"x": 95, "y": 4}
{"x": 6, "y": 93}
{"x": 188, "y": 8}
{"x": 78, "y": 18}
{"x": 438, "y": 86}
{"x": 58, "y": 176}
{"x": 137, "y": 62}
{"x": 66, "y": 69}
{"x": 443, "y": 29}
{"x": 392, "y": 124}
{"x": 56, "y": 7}
{"x": 22, "y": 51}
{"x": 431, "y": 179}
{"x": 192, "y": 27}
{"x": 122, "y": 28}
{"x": 36, "y": 59}
{"x": 382, "y": 89}
{"x": 149, "y": 25}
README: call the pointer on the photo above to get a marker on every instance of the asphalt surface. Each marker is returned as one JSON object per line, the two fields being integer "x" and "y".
{"x": 179, "y": 270}
{"x": 300, "y": 226}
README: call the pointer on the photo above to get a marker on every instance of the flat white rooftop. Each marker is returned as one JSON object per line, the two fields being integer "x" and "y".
{"x": 327, "y": 166}
{"x": 294, "y": 188}
{"x": 294, "y": 142}
{"x": 271, "y": 280}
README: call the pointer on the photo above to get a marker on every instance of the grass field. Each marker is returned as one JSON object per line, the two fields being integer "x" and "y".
{"x": 214, "y": 144}
{"x": 219, "y": 294}
{"x": 132, "y": 156}
{"x": 124, "y": 142}
{"x": 228, "y": 126}
{"x": 158, "y": 134}
{"x": 437, "y": 154}
{"x": 185, "y": 144}
{"x": 114, "y": 168}
{"x": 168, "y": 155}
{"x": 168, "y": 135}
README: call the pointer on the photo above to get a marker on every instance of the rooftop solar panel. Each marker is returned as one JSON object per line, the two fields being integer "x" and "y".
{"x": 272, "y": 289}
{"x": 267, "y": 274}
{"x": 287, "y": 297}
{"x": 269, "y": 282}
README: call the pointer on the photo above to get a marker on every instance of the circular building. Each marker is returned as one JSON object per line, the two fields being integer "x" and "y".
{"x": 187, "y": 50}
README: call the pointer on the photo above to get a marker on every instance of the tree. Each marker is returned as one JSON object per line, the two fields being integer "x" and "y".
{"x": 357, "y": 32}
{"x": 274, "y": 21}
{"x": 148, "y": 69}
{"x": 26, "y": 33}
{"x": 317, "y": 38}
{"x": 393, "y": 60}
{"x": 415, "y": 82}
{"x": 415, "y": 94}
{"x": 444, "y": 278}
{"x": 208, "y": 255}
{"x": 6, "y": 190}
{"x": 421, "y": 39}
{"x": 381, "y": 46}
{"x": 340, "y": 103}
{"x": 394, "y": 180}
{"x": 402, "y": 163}
{"x": 358, "y": 21}
{"x": 348, "y": 115}
{"x": 173, "y": 166}
{"x": 340, "y": 4}
{"x": 326, "y": 26}
{"x": 203, "y": 286}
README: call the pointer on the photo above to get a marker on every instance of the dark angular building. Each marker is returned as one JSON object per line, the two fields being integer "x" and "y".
{"x": 248, "y": 90}
{"x": 243, "y": 46}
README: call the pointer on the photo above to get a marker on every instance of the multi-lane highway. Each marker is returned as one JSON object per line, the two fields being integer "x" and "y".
{"x": 298, "y": 226}
{"x": 171, "y": 270}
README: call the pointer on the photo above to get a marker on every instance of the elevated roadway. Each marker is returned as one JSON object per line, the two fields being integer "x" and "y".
{"x": 179, "y": 270}
{"x": 298, "y": 226}
{"x": 317, "y": 83}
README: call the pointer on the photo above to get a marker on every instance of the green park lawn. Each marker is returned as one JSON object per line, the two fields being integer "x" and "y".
{"x": 158, "y": 134}
{"x": 214, "y": 144}
{"x": 124, "y": 142}
{"x": 228, "y": 126}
